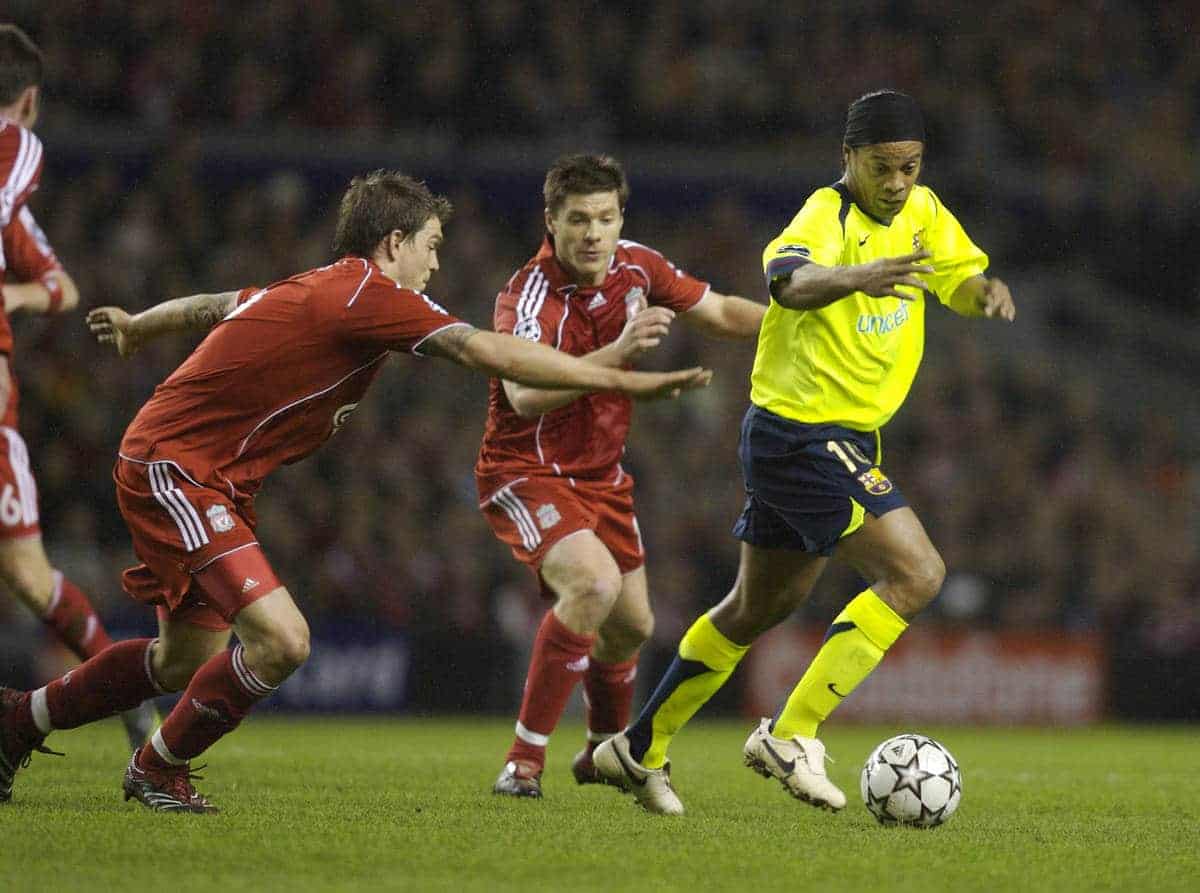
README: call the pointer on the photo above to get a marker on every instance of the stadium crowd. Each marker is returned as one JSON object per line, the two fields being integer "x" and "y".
{"x": 1079, "y": 116}
{"x": 1053, "y": 509}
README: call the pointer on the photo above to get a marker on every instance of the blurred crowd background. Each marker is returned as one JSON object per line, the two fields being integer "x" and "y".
{"x": 202, "y": 146}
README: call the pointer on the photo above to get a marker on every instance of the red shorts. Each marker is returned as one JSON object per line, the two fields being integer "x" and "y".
{"x": 531, "y": 514}
{"x": 18, "y": 490}
{"x": 201, "y": 561}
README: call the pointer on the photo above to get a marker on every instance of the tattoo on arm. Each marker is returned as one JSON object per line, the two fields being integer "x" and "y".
{"x": 206, "y": 313}
{"x": 449, "y": 343}
{"x": 204, "y": 316}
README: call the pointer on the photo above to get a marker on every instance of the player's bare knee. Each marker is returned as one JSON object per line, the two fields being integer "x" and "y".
{"x": 920, "y": 583}
{"x": 594, "y": 593}
{"x": 297, "y": 648}
{"x": 285, "y": 650}
{"x": 290, "y": 652}
{"x": 932, "y": 575}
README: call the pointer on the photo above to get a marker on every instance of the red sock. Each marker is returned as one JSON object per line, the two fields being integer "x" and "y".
{"x": 116, "y": 679}
{"x": 559, "y": 659}
{"x": 219, "y": 696}
{"x": 74, "y": 620}
{"x": 609, "y": 692}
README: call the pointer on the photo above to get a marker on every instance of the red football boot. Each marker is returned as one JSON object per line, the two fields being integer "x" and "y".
{"x": 519, "y": 779}
{"x": 164, "y": 790}
{"x": 16, "y": 745}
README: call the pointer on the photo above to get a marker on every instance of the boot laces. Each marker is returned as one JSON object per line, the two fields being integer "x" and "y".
{"x": 178, "y": 782}
{"x": 40, "y": 748}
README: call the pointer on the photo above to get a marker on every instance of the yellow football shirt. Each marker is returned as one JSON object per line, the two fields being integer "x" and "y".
{"x": 852, "y": 362}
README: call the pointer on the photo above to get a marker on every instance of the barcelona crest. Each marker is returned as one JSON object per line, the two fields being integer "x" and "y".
{"x": 875, "y": 482}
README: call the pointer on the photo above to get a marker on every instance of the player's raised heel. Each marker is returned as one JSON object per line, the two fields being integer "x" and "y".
{"x": 798, "y": 763}
{"x": 651, "y": 787}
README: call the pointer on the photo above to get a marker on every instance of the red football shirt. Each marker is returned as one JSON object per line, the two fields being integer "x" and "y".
{"x": 28, "y": 256}
{"x": 27, "y": 252}
{"x": 20, "y": 171}
{"x": 280, "y": 374}
{"x": 585, "y": 438}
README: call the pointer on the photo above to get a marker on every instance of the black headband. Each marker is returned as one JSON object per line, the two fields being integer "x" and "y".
{"x": 883, "y": 117}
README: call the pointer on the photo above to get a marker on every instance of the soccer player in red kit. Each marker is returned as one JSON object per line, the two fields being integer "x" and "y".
{"x": 281, "y": 371}
{"x": 549, "y": 472}
{"x": 33, "y": 281}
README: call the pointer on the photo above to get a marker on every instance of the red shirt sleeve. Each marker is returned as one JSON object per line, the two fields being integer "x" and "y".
{"x": 522, "y": 309}
{"x": 669, "y": 286}
{"x": 395, "y": 318}
{"x": 246, "y": 294}
{"x": 20, "y": 169}
{"x": 27, "y": 252}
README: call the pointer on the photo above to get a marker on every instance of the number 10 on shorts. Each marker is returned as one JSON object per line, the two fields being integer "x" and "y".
{"x": 848, "y": 452}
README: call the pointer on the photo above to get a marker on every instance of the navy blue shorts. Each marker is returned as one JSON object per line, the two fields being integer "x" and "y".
{"x": 807, "y": 486}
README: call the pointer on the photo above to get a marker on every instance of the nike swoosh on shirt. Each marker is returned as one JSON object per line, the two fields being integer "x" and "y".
{"x": 835, "y": 691}
{"x": 863, "y": 240}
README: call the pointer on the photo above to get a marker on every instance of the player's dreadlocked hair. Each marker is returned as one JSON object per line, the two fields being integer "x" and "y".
{"x": 583, "y": 175}
{"x": 379, "y": 203}
{"x": 20, "y": 63}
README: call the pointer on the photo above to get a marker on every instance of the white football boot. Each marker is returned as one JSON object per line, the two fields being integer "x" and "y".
{"x": 798, "y": 763}
{"x": 651, "y": 787}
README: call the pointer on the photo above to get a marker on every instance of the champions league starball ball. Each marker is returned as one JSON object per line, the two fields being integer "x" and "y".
{"x": 911, "y": 780}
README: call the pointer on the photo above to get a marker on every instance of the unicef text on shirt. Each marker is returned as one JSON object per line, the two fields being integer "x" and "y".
{"x": 882, "y": 323}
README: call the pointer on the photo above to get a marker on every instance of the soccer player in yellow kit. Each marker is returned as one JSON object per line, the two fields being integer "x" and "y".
{"x": 837, "y": 353}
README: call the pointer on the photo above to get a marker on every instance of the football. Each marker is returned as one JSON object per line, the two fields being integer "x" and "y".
{"x": 911, "y": 780}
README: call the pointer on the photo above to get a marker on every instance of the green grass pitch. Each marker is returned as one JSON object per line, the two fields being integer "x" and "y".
{"x": 357, "y": 804}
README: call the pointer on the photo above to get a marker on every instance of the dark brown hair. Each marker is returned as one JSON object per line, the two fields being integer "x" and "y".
{"x": 20, "y": 63}
{"x": 583, "y": 175}
{"x": 379, "y": 203}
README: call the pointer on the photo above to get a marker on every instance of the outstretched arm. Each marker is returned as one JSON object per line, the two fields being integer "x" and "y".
{"x": 980, "y": 296}
{"x": 643, "y": 332}
{"x": 55, "y": 292}
{"x": 529, "y": 363}
{"x": 812, "y": 286}
{"x": 726, "y": 316}
{"x": 196, "y": 313}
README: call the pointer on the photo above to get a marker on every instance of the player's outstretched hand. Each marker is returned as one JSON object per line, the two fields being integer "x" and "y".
{"x": 111, "y": 325}
{"x": 644, "y": 331}
{"x": 659, "y": 385}
{"x": 880, "y": 278}
{"x": 997, "y": 301}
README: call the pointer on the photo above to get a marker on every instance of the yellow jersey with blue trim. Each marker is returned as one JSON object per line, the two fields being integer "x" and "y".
{"x": 852, "y": 362}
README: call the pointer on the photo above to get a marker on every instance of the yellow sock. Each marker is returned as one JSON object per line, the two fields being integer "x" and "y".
{"x": 705, "y": 660}
{"x": 854, "y": 646}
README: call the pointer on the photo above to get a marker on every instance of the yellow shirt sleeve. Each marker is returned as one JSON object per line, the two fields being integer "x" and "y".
{"x": 814, "y": 235}
{"x": 955, "y": 257}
